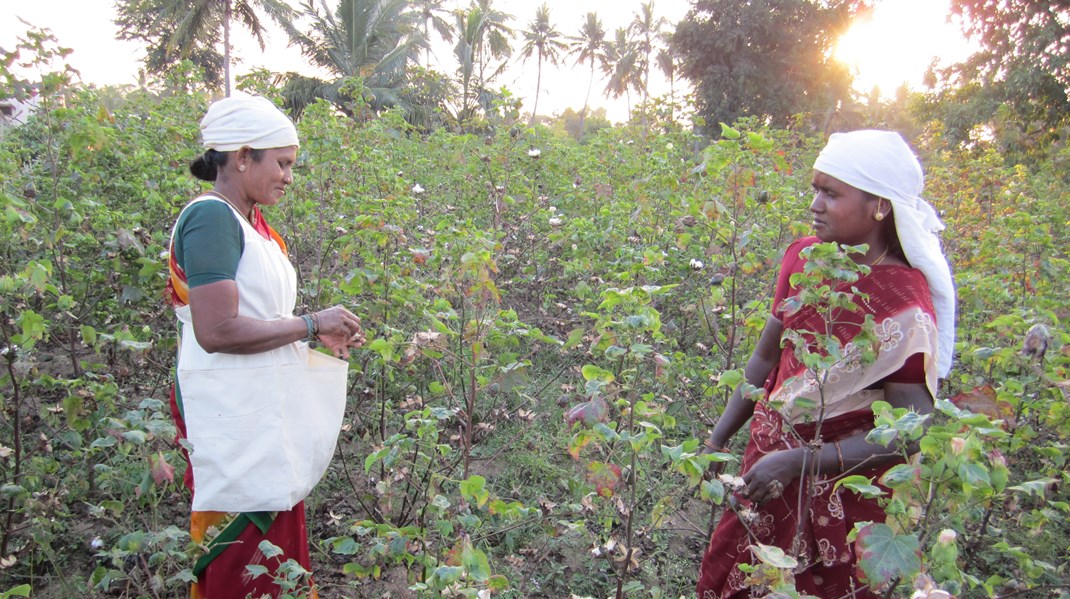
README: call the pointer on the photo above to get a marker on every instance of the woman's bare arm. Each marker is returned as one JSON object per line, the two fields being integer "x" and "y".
{"x": 219, "y": 328}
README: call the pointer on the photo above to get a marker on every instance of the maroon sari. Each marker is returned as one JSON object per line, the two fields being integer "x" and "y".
{"x": 899, "y": 300}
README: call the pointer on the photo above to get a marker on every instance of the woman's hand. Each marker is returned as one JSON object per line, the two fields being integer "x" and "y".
{"x": 768, "y": 477}
{"x": 339, "y": 330}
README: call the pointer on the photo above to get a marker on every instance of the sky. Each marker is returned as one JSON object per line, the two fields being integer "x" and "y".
{"x": 886, "y": 48}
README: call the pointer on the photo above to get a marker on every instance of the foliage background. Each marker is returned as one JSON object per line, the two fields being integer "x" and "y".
{"x": 553, "y": 325}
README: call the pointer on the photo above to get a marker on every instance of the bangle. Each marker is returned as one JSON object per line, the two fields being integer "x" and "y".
{"x": 710, "y": 446}
{"x": 309, "y": 327}
{"x": 839, "y": 455}
{"x": 315, "y": 324}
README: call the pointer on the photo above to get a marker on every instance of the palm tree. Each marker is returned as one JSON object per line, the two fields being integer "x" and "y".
{"x": 647, "y": 29}
{"x": 667, "y": 65}
{"x": 621, "y": 67}
{"x": 373, "y": 40}
{"x": 190, "y": 25}
{"x": 429, "y": 14}
{"x": 589, "y": 46}
{"x": 483, "y": 35}
{"x": 544, "y": 40}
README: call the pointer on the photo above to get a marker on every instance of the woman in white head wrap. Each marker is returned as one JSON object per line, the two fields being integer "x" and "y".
{"x": 234, "y": 291}
{"x": 867, "y": 188}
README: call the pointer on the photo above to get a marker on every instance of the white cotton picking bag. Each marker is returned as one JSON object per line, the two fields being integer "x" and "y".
{"x": 261, "y": 446}
{"x": 262, "y": 428}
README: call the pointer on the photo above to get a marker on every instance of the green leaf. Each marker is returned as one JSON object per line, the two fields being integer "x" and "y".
{"x": 885, "y": 556}
{"x": 713, "y": 490}
{"x": 383, "y": 347}
{"x": 772, "y": 555}
{"x": 1036, "y": 487}
{"x": 730, "y": 379}
{"x": 901, "y": 474}
{"x": 575, "y": 337}
{"x": 256, "y": 570}
{"x": 974, "y": 474}
{"x": 447, "y": 575}
{"x": 476, "y": 563}
{"x": 593, "y": 373}
{"x": 23, "y": 590}
{"x": 269, "y": 549}
{"x": 728, "y": 132}
{"x": 497, "y": 583}
{"x": 136, "y": 437}
{"x": 474, "y": 489}
{"x": 345, "y": 546}
{"x": 860, "y": 485}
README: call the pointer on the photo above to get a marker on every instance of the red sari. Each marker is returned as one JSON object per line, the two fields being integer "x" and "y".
{"x": 233, "y": 539}
{"x": 899, "y": 301}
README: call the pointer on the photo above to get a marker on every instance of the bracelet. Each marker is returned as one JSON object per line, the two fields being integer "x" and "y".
{"x": 309, "y": 327}
{"x": 839, "y": 455}
{"x": 710, "y": 446}
{"x": 315, "y": 324}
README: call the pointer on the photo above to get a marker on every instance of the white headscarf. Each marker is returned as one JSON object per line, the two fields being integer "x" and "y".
{"x": 882, "y": 163}
{"x": 244, "y": 120}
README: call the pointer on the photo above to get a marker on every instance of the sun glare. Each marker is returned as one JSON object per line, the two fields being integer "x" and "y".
{"x": 895, "y": 43}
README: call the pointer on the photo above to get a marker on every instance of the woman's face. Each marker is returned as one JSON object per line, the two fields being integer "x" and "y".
{"x": 842, "y": 213}
{"x": 266, "y": 179}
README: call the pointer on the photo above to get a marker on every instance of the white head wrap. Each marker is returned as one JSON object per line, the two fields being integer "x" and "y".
{"x": 882, "y": 163}
{"x": 244, "y": 120}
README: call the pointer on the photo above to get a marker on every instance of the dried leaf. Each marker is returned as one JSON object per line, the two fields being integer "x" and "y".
{"x": 589, "y": 412}
{"x": 604, "y": 477}
{"x": 161, "y": 470}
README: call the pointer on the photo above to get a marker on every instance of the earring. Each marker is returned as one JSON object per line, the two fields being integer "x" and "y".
{"x": 241, "y": 168}
{"x": 878, "y": 216}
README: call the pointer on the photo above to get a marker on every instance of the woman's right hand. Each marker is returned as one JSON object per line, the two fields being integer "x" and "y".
{"x": 339, "y": 330}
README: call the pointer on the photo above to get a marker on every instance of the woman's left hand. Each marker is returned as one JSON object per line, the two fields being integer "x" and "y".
{"x": 769, "y": 476}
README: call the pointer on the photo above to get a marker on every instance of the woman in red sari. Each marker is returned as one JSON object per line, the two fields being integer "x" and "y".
{"x": 867, "y": 188}
{"x": 234, "y": 292}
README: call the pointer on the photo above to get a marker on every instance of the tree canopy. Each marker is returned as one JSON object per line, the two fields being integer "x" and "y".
{"x": 190, "y": 29}
{"x": 1016, "y": 84}
{"x": 372, "y": 39}
{"x": 765, "y": 58}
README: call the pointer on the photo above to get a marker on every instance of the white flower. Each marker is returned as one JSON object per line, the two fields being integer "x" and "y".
{"x": 417, "y": 189}
{"x": 957, "y": 445}
{"x": 555, "y": 222}
{"x": 97, "y": 543}
{"x": 669, "y": 146}
{"x": 947, "y": 536}
{"x": 696, "y": 264}
{"x": 553, "y": 209}
{"x": 534, "y": 153}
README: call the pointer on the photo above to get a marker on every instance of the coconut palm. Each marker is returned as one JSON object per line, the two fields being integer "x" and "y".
{"x": 542, "y": 39}
{"x": 188, "y": 27}
{"x": 646, "y": 29}
{"x": 373, "y": 40}
{"x": 621, "y": 68}
{"x": 482, "y": 36}
{"x": 589, "y": 46}
{"x": 429, "y": 14}
{"x": 667, "y": 65}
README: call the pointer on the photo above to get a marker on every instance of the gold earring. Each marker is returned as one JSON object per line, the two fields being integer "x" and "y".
{"x": 878, "y": 216}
